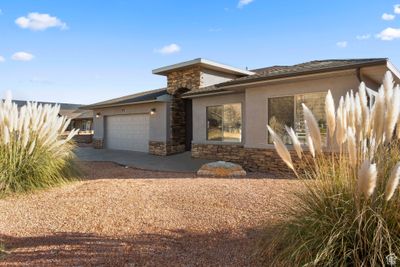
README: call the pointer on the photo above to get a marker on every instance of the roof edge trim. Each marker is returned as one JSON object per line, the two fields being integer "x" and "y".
{"x": 202, "y": 62}
{"x": 301, "y": 73}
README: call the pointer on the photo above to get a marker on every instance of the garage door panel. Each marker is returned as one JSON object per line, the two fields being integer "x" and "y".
{"x": 127, "y": 132}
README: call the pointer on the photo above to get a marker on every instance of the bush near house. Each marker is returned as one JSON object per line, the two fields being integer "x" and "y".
{"x": 32, "y": 153}
{"x": 349, "y": 212}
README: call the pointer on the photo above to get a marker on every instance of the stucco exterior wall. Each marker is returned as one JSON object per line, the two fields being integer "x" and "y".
{"x": 158, "y": 122}
{"x": 200, "y": 116}
{"x": 210, "y": 77}
{"x": 256, "y": 115}
{"x": 254, "y": 153}
{"x": 254, "y": 105}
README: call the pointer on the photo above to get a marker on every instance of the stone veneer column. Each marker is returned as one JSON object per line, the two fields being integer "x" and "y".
{"x": 179, "y": 82}
{"x": 159, "y": 148}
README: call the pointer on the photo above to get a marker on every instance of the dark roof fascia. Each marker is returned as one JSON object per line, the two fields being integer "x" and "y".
{"x": 92, "y": 107}
{"x": 143, "y": 97}
{"x": 207, "y": 93}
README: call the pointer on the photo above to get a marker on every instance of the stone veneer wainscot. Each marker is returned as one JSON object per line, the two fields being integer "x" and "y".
{"x": 251, "y": 159}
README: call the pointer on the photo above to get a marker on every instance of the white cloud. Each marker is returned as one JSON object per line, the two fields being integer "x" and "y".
{"x": 386, "y": 16}
{"x": 243, "y": 3}
{"x": 39, "y": 22}
{"x": 363, "y": 37}
{"x": 342, "y": 44}
{"x": 168, "y": 49}
{"x": 397, "y": 9}
{"x": 2, "y": 59}
{"x": 22, "y": 56}
{"x": 389, "y": 34}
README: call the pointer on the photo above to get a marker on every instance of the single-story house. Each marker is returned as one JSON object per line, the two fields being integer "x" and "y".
{"x": 80, "y": 119}
{"x": 221, "y": 112}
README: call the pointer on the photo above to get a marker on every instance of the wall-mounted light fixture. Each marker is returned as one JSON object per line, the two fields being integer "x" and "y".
{"x": 152, "y": 111}
{"x": 98, "y": 115}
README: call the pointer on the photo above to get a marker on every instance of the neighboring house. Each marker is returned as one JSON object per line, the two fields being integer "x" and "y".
{"x": 80, "y": 119}
{"x": 221, "y": 112}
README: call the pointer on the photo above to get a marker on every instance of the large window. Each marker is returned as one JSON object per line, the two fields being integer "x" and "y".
{"x": 289, "y": 111}
{"x": 224, "y": 123}
{"x": 280, "y": 113}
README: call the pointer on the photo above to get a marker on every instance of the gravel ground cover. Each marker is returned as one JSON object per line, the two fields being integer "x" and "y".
{"x": 128, "y": 217}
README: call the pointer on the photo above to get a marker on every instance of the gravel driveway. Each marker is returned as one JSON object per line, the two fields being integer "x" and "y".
{"x": 131, "y": 217}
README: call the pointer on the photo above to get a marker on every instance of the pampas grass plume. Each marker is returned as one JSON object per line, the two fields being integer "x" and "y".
{"x": 393, "y": 182}
{"x": 310, "y": 143}
{"x": 295, "y": 141}
{"x": 392, "y": 114}
{"x": 352, "y": 147}
{"x": 388, "y": 84}
{"x": 6, "y": 135}
{"x": 378, "y": 118}
{"x": 313, "y": 128}
{"x": 281, "y": 148}
{"x": 362, "y": 91}
{"x": 358, "y": 118}
{"x": 330, "y": 114}
{"x": 367, "y": 178}
{"x": 340, "y": 123}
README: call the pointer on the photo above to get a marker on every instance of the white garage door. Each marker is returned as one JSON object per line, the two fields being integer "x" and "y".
{"x": 127, "y": 132}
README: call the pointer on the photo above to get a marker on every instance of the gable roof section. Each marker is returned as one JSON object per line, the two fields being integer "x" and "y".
{"x": 277, "y": 72}
{"x": 146, "y": 96}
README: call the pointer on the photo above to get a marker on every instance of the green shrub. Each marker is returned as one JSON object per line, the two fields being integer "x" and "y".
{"x": 33, "y": 152}
{"x": 348, "y": 212}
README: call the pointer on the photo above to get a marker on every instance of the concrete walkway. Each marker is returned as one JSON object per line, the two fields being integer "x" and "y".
{"x": 182, "y": 162}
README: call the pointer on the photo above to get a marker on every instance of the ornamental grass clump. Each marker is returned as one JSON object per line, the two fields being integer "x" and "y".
{"x": 33, "y": 151}
{"x": 348, "y": 211}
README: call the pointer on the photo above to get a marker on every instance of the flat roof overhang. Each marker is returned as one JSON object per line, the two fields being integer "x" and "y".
{"x": 208, "y": 64}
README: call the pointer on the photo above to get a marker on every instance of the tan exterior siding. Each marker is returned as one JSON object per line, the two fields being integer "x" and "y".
{"x": 200, "y": 115}
{"x": 257, "y": 109}
{"x": 158, "y": 121}
{"x": 211, "y": 77}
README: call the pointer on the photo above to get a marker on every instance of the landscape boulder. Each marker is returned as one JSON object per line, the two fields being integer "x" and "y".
{"x": 221, "y": 169}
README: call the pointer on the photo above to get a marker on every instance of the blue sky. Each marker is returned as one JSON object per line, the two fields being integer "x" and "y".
{"x": 88, "y": 51}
